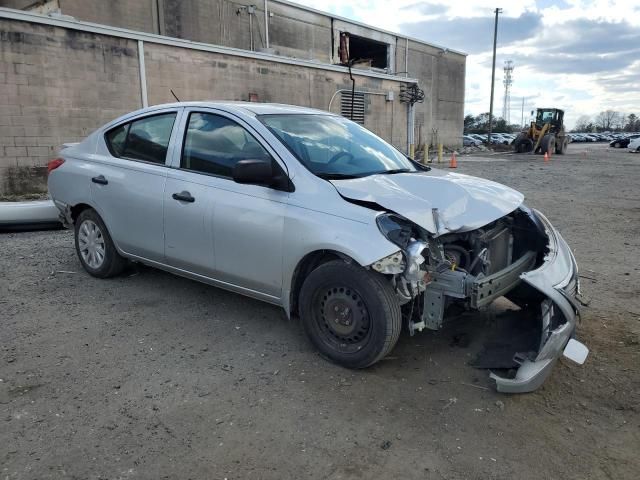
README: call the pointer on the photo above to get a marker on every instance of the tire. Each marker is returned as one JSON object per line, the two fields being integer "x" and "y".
{"x": 617, "y": 145}
{"x": 350, "y": 315}
{"x": 522, "y": 144}
{"x": 561, "y": 148}
{"x": 548, "y": 144}
{"x": 95, "y": 249}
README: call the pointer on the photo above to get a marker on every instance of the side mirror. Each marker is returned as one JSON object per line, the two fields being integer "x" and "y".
{"x": 253, "y": 171}
{"x": 261, "y": 172}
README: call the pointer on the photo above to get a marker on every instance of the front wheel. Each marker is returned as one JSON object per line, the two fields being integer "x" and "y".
{"x": 548, "y": 144}
{"x": 351, "y": 315}
{"x": 94, "y": 246}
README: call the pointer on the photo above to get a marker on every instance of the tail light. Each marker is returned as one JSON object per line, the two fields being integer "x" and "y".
{"x": 53, "y": 164}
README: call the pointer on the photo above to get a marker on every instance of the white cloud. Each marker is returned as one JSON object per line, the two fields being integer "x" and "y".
{"x": 593, "y": 90}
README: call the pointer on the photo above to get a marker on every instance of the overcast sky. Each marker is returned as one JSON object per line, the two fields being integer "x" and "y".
{"x": 579, "y": 55}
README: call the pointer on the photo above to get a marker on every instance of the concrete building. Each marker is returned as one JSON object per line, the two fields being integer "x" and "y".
{"x": 68, "y": 66}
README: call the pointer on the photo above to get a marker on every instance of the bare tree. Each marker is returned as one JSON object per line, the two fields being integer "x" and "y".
{"x": 583, "y": 124}
{"x": 608, "y": 119}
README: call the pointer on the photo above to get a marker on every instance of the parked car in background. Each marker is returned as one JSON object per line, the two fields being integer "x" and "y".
{"x": 634, "y": 145}
{"x": 623, "y": 142}
{"x": 312, "y": 212}
{"x": 469, "y": 141}
{"x": 478, "y": 137}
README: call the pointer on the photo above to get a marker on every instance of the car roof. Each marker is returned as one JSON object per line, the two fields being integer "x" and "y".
{"x": 252, "y": 108}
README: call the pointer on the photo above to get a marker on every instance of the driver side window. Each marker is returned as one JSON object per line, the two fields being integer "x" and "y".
{"x": 214, "y": 145}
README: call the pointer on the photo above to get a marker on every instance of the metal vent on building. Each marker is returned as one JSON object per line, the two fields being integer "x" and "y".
{"x": 358, "y": 107}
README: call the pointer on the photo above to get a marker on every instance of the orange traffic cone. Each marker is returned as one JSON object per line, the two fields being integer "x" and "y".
{"x": 453, "y": 163}
{"x": 546, "y": 157}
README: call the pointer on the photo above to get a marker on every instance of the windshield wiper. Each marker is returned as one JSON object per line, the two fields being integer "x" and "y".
{"x": 336, "y": 176}
{"x": 396, "y": 170}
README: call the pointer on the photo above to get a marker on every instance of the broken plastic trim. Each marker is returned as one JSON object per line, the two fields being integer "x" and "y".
{"x": 392, "y": 264}
{"x": 556, "y": 279}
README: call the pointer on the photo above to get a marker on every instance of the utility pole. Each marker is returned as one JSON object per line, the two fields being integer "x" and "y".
{"x": 493, "y": 74}
{"x": 266, "y": 24}
{"x": 522, "y": 114}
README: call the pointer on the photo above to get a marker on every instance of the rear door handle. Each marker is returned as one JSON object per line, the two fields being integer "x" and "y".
{"x": 183, "y": 196}
{"x": 100, "y": 180}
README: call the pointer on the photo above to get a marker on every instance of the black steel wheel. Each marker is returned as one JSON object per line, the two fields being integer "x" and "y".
{"x": 343, "y": 318}
{"x": 351, "y": 315}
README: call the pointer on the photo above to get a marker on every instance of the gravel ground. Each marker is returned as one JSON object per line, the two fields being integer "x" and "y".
{"x": 153, "y": 376}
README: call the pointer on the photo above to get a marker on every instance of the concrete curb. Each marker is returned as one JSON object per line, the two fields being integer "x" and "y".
{"x": 29, "y": 215}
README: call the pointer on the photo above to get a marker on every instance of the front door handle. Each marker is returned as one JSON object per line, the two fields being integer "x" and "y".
{"x": 183, "y": 196}
{"x": 100, "y": 180}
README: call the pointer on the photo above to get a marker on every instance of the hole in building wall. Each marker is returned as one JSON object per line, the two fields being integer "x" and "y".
{"x": 363, "y": 51}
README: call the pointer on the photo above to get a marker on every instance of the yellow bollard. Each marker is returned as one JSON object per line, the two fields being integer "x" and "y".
{"x": 439, "y": 153}
{"x": 426, "y": 154}
{"x": 412, "y": 151}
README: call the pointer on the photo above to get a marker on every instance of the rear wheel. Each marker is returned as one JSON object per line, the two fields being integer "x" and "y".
{"x": 522, "y": 144}
{"x": 351, "y": 315}
{"x": 561, "y": 146}
{"x": 548, "y": 144}
{"x": 617, "y": 145}
{"x": 94, "y": 246}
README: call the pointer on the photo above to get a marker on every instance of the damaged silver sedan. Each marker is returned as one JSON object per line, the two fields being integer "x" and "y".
{"x": 312, "y": 212}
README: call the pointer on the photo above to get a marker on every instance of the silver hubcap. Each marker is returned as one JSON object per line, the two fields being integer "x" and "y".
{"x": 91, "y": 244}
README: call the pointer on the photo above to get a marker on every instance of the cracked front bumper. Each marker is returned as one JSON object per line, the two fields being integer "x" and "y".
{"x": 557, "y": 280}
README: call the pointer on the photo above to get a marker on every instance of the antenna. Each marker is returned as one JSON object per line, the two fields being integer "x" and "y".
{"x": 174, "y": 95}
{"x": 507, "y": 82}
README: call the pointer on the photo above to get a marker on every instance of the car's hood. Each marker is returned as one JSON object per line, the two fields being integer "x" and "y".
{"x": 438, "y": 201}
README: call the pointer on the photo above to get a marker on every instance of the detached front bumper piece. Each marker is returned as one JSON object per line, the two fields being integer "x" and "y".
{"x": 557, "y": 280}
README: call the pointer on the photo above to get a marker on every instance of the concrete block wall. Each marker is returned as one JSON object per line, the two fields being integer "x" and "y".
{"x": 442, "y": 77}
{"x": 294, "y": 32}
{"x": 210, "y": 76}
{"x": 56, "y": 86}
{"x": 130, "y": 14}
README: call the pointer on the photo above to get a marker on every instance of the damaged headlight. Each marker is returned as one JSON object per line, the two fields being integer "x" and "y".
{"x": 396, "y": 229}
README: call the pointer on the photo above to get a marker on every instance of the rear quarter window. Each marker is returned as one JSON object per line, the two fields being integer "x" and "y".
{"x": 146, "y": 139}
{"x": 115, "y": 139}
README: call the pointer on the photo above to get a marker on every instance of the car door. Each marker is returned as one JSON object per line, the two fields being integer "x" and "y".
{"x": 128, "y": 181}
{"x": 213, "y": 226}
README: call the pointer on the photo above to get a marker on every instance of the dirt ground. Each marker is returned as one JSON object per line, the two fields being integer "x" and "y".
{"x": 154, "y": 376}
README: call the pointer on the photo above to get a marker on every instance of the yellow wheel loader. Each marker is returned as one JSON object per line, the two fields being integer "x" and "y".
{"x": 545, "y": 135}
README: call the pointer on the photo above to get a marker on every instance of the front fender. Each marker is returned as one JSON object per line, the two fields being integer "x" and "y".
{"x": 308, "y": 231}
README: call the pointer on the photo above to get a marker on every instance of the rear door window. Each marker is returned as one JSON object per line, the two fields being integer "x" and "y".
{"x": 146, "y": 139}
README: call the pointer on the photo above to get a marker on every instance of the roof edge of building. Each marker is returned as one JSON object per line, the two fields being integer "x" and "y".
{"x": 73, "y": 24}
{"x": 366, "y": 25}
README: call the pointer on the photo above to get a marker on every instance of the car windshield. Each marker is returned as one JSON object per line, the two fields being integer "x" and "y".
{"x": 334, "y": 147}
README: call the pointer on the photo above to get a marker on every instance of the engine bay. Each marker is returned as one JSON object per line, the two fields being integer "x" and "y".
{"x": 468, "y": 269}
